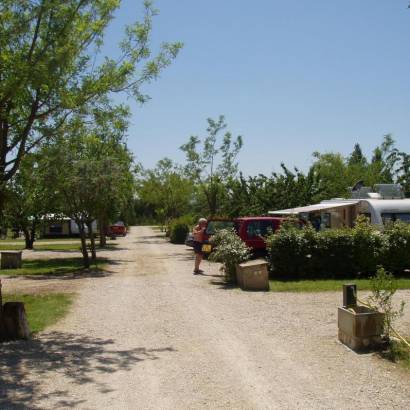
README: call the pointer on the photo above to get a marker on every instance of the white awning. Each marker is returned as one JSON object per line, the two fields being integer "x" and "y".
{"x": 313, "y": 208}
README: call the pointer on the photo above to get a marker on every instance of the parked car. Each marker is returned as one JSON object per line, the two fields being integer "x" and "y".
{"x": 254, "y": 230}
{"x": 251, "y": 229}
{"x": 117, "y": 229}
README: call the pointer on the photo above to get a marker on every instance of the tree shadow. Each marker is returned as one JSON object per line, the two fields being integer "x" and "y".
{"x": 111, "y": 248}
{"x": 149, "y": 242}
{"x": 26, "y": 365}
{"x": 222, "y": 284}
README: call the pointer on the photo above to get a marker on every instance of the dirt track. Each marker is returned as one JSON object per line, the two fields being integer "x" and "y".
{"x": 153, "y": 336}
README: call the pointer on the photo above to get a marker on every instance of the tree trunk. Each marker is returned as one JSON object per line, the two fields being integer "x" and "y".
{"x": 27, "y": 238}
{"x": 102, "y": 225}
{"x": 92, "y": 241}
{"x": 84, "y": 250}
{"x": 33, "y": 232}
{"x": 30, "y": 235}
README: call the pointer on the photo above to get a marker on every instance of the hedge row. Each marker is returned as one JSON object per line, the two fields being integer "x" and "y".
{"x": 347, "y": 252}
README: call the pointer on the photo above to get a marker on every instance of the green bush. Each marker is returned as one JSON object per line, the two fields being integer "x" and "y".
{"x": 290, "y": 250}
{"x": 367, "y": 246}
{"x": 396, "y": 250}
{"x": 338, "y": 253}
{"x": 179, "y": 228}
{"x": 230, "y": 250}
{"x": 332, "y": 256}
{"x": 178, "y": 232}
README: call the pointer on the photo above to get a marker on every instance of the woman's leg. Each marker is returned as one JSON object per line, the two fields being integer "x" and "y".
{"x": 198, "y": 259}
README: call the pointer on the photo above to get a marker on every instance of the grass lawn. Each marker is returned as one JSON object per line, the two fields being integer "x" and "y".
{"x": 52, "y": 267}
{"x": 49, "y": 247}
{"x": 43, "y": 310}
{"x": 326, "y": 285}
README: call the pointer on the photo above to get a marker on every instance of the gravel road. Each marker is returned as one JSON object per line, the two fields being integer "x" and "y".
{"x": 153, "y": 336}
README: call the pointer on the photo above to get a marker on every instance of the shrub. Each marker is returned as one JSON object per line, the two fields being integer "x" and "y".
{"x": 346, "y": 252}
{"x": 396, "y": 247}
{"x": 230, "y": 250}
{"x": 333, "y": 255}
{"x": 177, "y": 230}
{"x": 290, "y": 250}
{"x": 367, "y": 246}
{"x": 384, "y": 286}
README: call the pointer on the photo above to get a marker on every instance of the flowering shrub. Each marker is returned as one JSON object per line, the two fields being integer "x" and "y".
{"x": 230, "y": 250}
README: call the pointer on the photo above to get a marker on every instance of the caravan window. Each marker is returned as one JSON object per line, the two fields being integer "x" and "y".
{"x": 396, "y": 216}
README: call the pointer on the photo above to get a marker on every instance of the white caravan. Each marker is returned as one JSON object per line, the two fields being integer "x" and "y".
{"x": 386, "y": 203}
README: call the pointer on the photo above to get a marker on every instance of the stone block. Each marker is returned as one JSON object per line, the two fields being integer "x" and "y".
{"x": 360, "y": 328}
{"x": 253, "y": 275}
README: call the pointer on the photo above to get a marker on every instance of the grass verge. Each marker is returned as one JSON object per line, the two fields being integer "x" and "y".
{"x": 52, "y": 267}
{"x": 326, "y": 285}
{"x": 43, "y": 310}
{"x": 50, "y": 247}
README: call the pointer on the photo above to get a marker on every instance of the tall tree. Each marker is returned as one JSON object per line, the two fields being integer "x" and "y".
{"x": 28, "y": 200}
{"x": 213, "y": 164}
{"x": 48, "y": 68}
{"x": 166, "y": 189}
{"x": 357, "y": 157}
{"x": 88, "y": 174}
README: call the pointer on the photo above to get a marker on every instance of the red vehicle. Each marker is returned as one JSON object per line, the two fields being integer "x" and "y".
{"x": 251, "y": 229}
{"x": 118, "y": 229}
{"x": 254, "y": 229}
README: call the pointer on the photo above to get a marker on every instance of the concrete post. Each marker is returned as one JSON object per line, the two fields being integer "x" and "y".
{"x": 349, "y": 295}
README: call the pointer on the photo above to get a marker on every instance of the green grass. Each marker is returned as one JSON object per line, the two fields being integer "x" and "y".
{"x": 52, "y": 267}
{"x": 43, "y": 310}
{"x": 49, "y": 247}
{"x": 326, "y": 285}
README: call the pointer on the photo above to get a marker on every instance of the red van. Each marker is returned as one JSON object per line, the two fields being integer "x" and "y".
{"x": 251, "y": 229}
{"x": 254, "y": 229}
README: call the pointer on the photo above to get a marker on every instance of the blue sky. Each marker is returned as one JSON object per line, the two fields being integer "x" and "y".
{"x": 291, "y": 77}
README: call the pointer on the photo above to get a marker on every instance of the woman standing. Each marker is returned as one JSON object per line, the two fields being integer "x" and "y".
{"x": 198, "y": 234}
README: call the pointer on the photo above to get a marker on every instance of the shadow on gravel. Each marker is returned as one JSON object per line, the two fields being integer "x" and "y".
{"x": 77, "y": 251}
{"x": 27, "y": 368}
{"x": 149, "y": 242}
{"x": 222, "y": 284}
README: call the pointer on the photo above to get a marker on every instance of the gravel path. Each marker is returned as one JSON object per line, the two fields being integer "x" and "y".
{"x": 153, "y": 336}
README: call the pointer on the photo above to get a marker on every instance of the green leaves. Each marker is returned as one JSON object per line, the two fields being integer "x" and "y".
{"x": 230, "y": 250}
{"x": 48, "y": 72}
{"x": 211, "y": 166}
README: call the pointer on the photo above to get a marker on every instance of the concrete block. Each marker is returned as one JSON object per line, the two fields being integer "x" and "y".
{"x": 360, "y": 327}
{"x": 253, "y": 275}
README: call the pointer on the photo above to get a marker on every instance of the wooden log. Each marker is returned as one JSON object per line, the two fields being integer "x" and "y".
{"x": 15, "y": 321}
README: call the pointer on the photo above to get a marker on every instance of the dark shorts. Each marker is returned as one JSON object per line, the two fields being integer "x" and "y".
{"x": 198, "y": 247}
